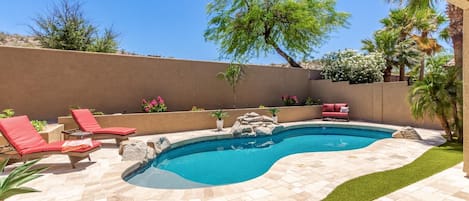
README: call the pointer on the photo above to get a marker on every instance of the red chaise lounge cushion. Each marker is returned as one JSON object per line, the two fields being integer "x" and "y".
{"x": 88, "y": 123}
{"x": 115, "y": 130}
{"x": 26, "y": 140}
{"x": 85, "y": 120}
{"x": 57, "y": 146}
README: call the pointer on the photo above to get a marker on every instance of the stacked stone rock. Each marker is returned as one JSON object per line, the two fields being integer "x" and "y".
{"x": 253, "y": 124}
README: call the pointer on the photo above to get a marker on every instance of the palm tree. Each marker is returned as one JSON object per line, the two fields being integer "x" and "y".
{"x": 456, "y": 17}
{"x": 427, "y": 22}
{"x": 232, "y": 75}
{"x": 439, "y": 94}
{"x": 428, "y": 97}
{"x": 396, "y": 52}
{"x": 406, "y": 22}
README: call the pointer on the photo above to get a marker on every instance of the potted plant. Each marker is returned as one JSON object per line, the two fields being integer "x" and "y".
{"x": 219, "y": 114}
{"x": 274, "y": 112}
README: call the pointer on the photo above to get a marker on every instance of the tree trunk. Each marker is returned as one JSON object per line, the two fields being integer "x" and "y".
{"x": 234, "y": 98}
{"x": 456, "y": 16}
{"x": 387, "y": 74}
{"x": 457, "y": 123}
{"x": 402, "y": 73}
{"x": 445, "y": 125}
{"x": 289, "y": 59}
{"x": 422, "y": 68}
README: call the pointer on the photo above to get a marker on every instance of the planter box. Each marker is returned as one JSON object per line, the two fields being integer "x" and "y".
{"x": 52, "y": 133}
{"x": 168, "y": 122}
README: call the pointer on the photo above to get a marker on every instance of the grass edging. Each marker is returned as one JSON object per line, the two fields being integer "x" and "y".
{"x": 378, "y": 184}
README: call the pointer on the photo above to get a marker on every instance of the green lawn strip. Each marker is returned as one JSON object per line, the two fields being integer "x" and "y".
{"x": 375, "y": 185}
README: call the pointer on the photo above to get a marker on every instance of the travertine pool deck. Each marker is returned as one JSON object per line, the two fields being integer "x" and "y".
{"x": 307, "y": 176}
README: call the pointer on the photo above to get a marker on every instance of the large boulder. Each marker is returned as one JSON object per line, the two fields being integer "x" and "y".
{"x": 133, "y": 150}
{"x": 407, "y": 133}
{"x": 253, "y": 124}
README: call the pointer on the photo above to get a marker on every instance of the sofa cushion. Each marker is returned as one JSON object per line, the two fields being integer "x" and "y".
{"x": 115, "y": 130}
{"x": 335, "y": 114}
{"x": 328, "y": 107}
{"x": 337, "y": 106}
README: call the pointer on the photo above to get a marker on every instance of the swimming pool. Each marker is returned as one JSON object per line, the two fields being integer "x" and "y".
{"x": 227, "y": 161}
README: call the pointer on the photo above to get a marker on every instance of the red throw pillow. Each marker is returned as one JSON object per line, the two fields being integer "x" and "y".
{"x": 328, "y": 107}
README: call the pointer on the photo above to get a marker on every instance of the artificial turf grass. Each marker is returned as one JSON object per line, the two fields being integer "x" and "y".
{"x": 375, "y": 185}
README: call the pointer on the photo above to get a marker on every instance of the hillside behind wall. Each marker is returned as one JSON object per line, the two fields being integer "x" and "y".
{"x": 43, "y": 83}
{"x": 384, "y": 102}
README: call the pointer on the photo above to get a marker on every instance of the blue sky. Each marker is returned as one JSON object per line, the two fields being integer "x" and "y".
{"x": 174, "y": 28}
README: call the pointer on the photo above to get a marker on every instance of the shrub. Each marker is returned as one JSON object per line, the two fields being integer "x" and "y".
{"x": 349, "y": 65}
{"x": 195, "y": 108}
{"x": 155, "y": 105}
{"x": 39, "y": 125}
{"x": 7, "y": 113}
{"x": 65, "y": 27}
{"x": 289, "y": 100}
{"x": 311, "y": 101}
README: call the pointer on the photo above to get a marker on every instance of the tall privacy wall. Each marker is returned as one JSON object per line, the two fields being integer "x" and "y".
{"x": 44, "y": 83}
{"x": 377, "y": 102}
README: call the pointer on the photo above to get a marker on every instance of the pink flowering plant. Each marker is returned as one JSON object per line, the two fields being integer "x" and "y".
{"x": 289, "y": 100}
{"x": 154, "y": 105}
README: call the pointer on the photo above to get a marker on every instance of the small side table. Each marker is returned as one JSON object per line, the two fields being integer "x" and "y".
{"x": 76, "y": 134}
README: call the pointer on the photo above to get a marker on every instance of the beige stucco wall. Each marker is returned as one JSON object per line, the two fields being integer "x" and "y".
{"x": 466, "y": 90}
{"x": 376, "y": 102}
{"x": 166, "y": 122}
{"x": 44, "y": 83}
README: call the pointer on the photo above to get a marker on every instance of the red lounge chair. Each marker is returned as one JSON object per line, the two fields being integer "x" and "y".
{"x": 29, "y": 144}
{"x": 330, "y": 110}
{"x": 88, "y": 123}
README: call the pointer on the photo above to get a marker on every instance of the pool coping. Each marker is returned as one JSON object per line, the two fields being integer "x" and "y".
{"x": 277, "y": 130}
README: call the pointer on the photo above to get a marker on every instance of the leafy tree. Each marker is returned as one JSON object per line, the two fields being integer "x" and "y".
{"x": 246, "y": 28}
{"x": 232, "y": 75}
{"x": 11, "y": 185}
{"x": 65, "y": 27}
{"x": 439, "y": 94}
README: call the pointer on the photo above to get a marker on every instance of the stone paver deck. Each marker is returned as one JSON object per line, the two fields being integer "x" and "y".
{"x": 306, "y": 176}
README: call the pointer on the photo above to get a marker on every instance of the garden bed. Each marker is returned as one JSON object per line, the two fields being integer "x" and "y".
{"x": 167, "y": 122}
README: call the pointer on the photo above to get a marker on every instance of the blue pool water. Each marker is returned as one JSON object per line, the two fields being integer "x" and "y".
{"x": 227, "y": 161}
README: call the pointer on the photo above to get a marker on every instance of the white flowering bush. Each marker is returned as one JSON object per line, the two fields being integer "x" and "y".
{"x": 349, "y": 65}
